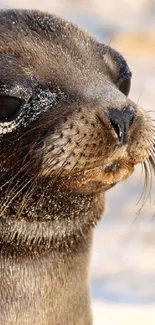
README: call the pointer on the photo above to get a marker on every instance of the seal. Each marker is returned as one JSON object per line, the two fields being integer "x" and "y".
{"x": 68, "y": 133}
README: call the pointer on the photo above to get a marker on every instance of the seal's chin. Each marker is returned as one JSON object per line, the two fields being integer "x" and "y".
{"x": 98, "y": 178}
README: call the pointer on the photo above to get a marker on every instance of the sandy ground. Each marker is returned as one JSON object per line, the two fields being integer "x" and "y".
{"x": 123, "y": 315}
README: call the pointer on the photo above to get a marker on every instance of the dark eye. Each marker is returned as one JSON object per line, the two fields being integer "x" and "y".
{"x": 9, "y": 107}
{"x": 124, "y": 86}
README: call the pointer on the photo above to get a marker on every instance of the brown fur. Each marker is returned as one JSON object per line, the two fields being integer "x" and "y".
{"x": 57, "y": 160}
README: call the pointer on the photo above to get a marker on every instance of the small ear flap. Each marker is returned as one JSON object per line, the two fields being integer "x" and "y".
{"x": 119, "y": 69}
{"x": 124, "y": 86}
{"x": 124, "y": 70}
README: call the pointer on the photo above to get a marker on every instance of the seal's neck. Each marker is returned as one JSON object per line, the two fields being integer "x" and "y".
{"x": 44, "y": 258}
{"x": 58, "y": 220}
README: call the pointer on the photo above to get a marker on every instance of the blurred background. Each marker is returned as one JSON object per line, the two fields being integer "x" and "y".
{"x": 123, "y": 257}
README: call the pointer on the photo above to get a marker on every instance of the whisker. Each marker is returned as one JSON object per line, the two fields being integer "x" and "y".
{"x": 140, "y": 95}
{"x": 152, "y": 161}
{"x": 146, "y": 188}
{"x": 151, "y": 178}
{"x": 142, "y": 175}
{"x": 58, "y": 174}
{"x": 29, "y": 192}
{"x": 9, "y": 201}
{"x": 150, "y": 111}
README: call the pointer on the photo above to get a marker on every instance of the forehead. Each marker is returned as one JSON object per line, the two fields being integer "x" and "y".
{"x": 35, "y": 45}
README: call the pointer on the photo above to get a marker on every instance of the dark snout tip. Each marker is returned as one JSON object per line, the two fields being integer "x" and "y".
{"x": 121, "y": 121}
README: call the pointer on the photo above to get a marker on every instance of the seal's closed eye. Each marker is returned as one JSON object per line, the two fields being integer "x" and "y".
{"x": 9, "y": 107}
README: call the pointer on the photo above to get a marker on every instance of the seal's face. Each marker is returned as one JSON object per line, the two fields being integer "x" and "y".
{"x": 65, "y": 115}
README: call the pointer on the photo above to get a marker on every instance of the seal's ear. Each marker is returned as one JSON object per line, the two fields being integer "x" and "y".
{"x": 124, "y": 74}
{"x": 124, "y": 85}
{"x": 118, "y": 69}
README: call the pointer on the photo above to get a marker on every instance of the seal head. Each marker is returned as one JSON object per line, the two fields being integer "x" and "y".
{"x": 67, "y": 126}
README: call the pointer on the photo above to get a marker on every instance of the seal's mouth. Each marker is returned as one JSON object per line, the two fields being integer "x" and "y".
{"x": 99, "y": 178}
{"x": 112, "y": 166}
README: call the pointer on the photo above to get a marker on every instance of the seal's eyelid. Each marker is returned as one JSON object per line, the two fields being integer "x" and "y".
{"x": 16, "y": 90}
{"x": 9, "y": 107}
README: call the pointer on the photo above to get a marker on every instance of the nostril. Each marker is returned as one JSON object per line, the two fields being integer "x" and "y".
{"x": 131, "y": 120}
{"x": 128, "y": 115}
{"x": 117, "y": 128}
{"x": 121, "y": 121}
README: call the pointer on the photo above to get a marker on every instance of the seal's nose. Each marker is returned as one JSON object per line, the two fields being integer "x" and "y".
{"x": 121, "y": 120}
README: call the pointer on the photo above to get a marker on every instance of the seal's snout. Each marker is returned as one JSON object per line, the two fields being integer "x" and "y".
{"x": 121, "y": 121}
